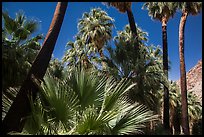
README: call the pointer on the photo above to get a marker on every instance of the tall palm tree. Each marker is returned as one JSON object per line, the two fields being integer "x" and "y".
{"x": 95, "y": 29}
{"x": 20, "y": 108}
{"x": 163, "y": 11}
{"x": 126, "y": 7}
{"x": 187, "y": 8}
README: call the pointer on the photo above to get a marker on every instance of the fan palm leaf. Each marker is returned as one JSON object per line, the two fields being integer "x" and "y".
{"x": 87, "y": 103}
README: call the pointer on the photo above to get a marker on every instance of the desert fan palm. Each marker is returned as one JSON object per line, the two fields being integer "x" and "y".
{"x": 187, "y": 8}
{"x": 126, "y": 7}
{"x": 146, "y": 71}
{"x": 18, "y": 47}
{"x": 163, "y": 11}
{"x": 86, "y": 103}
{"x": 20, "y": 107}
{"x": 95, "y": 31}
{"x": 95, "y": 28}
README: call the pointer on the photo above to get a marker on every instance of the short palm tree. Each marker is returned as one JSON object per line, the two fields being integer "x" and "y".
{"x": 78, "y": 54}
{"x": 55, "y": 68}
{"x": 194, "y": 108}
{"x": 186, "y": 8}
{"x": 85, "y": 103}
{"x": 146, "y": 71}
{"x": 163, "y": 11}
{"x": 95, "y": 29}
{"x": 124, "y": 54}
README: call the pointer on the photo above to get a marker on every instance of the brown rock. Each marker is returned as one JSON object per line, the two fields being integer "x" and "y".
{"x": 194, "y": 79}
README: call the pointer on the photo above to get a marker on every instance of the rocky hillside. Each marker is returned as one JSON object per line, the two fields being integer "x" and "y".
{"x": 194, "y": 79}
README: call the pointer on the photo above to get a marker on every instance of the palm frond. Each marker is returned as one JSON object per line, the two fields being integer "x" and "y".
{"x": 132, "y": 119}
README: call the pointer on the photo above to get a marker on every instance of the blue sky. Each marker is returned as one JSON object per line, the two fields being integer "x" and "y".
{"x": 43, "y": 12}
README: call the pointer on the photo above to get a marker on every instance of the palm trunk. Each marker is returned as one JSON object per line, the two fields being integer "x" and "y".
{"x": 85, "y": 62}
{"x": 102, "y": 56}
{"x": 15, "y": 118}
{"x": 184, "y": 107}
{"x": 136, "y": 44}
{"x": 132, "y": 22}
{"x": 132, "y": 26}
{"x": 165, "y": 69}
{"x": 176, "y": 120}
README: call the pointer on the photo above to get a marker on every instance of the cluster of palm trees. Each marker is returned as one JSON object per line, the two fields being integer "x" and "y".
{"x": 18, "y": 48}
{"x": 121, "y": 97}
{"x": 162, "y": 11}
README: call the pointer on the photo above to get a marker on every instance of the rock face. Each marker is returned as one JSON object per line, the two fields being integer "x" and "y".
{"x": 194, "y": 79}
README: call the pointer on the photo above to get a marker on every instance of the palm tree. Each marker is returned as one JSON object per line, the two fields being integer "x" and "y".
{"x": 18, "y": 48}
{"x": 78, "y": 54}
{"x": 175, "y": 109}
{"x": 86, "y": 103}
{"x": 186, "y": 8}
{"x": 146, "y": 71}
{"x": 194, "y": 107}
{"x": 95, "y": 29}
{"x": 197, "y": 127}
{"x": 55, "y": 68}
{"x": 126, "y": 7}
{"x": 124, "y": 54}
{"x": 20, "y": 107}
{"x": 163, "y": 11}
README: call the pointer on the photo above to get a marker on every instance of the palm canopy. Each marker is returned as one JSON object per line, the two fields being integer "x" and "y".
{"x": 126, "y": 35}
{"x": 159, "y": 10}
{"x": 146, "y": 71}
{"x": 124, "y": 54}
{"x": 18, "y": 47}
{"x": 194, "y": 106}
{"x": 78, "y": 53}
{"x": 126, "y": 7}
{"x": 121, "y": 6}
{"x": 191, "y": 7}
{"x": 95, "y": 28}
{"x": 56, "y": 68}
{"x": 19, "y": 27}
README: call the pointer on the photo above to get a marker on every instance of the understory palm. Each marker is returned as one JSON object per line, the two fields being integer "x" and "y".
{"x": 78, "y": 53}
{"x": 194, "y": 108}
{"x": 56, "y": 68}
{"x": 86, "y": 103}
